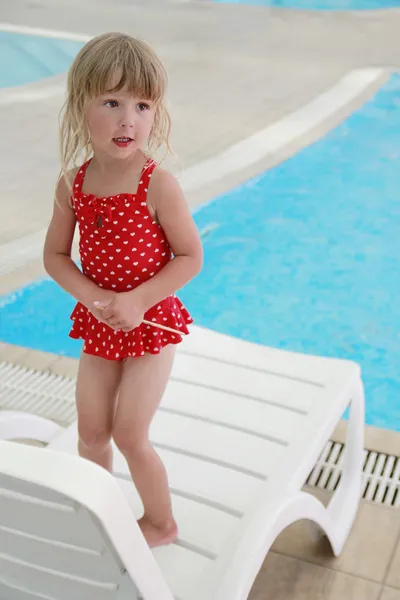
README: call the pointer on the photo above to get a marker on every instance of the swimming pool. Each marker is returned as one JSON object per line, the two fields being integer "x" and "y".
{"x": 31, "y": 58}
{"x": 304, "y": 257}
{"x": 320, "y": 4}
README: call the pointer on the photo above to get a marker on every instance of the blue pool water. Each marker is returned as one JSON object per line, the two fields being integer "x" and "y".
{"x": 305, "y": 257}
{"x": 29, "y": 58}
{"x": 320, "y": 4}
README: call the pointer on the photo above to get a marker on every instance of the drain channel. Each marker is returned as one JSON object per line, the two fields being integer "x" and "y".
{"x": 381, "y": 474}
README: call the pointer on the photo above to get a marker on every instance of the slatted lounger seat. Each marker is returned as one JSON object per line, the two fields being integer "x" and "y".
{"x": 239, "y": 429}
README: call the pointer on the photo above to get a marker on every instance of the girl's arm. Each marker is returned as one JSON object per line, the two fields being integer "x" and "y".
{"x": 57, "y": 251}
{"x": 173, "y": 214}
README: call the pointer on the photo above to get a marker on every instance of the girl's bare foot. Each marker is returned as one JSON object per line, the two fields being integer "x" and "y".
{"x": 158, "y": 535}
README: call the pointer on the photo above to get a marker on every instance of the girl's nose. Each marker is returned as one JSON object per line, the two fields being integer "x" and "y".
{"x": 128, "y": 120}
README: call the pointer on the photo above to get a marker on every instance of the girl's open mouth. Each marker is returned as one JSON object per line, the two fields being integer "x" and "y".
{"x": 122, "y": 142}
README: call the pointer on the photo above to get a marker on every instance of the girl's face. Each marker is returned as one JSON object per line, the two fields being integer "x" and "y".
{"x": 119, "y": 123}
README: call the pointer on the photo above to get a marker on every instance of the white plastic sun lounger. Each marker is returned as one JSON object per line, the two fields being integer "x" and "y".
{"x": 239, "y": 430}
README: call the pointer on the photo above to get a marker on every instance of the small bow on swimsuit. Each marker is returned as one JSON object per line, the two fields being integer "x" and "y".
{"x": 102, "y": 208}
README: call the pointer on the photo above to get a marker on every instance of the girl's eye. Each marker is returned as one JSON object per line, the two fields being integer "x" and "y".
{"x": 111, "y": 103}
{"x": 143, "y": 106}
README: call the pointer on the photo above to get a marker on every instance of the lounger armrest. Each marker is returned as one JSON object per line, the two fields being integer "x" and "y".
{"x": 21, "y": 425}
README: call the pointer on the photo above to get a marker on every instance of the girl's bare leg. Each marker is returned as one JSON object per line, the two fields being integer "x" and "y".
{"x": 96, "y": 393}
{"x": 142, "y": 385}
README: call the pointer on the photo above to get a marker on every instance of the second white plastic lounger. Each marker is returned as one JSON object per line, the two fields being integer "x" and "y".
{"x": 239, "y": 430}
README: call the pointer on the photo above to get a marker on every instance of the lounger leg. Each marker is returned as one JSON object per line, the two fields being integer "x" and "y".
{"x": 21, "y": 425}
{"x": 337, "y": 518}
{"x": 342, "y": 509}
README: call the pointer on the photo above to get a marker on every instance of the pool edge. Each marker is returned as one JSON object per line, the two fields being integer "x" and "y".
{"x": 376, "y": 439}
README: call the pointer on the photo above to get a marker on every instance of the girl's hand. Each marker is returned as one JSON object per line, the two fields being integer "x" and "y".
{"x": 105, "y": 297}
{"x": 125, "y": 311}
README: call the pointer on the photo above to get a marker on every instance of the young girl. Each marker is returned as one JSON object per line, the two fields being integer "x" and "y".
{"x": 138, "y": 246}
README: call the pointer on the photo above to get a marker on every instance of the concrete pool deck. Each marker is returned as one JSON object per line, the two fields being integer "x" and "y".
{"x": 234, "y": 71}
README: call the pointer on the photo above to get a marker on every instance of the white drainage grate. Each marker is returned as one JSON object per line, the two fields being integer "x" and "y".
{"x": 44, "y": 394}
{"x": 381, "y": 480}
{"x": 53, "y": 397}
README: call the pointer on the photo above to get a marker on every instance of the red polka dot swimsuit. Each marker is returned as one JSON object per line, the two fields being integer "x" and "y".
{"x": 122, "y": 246}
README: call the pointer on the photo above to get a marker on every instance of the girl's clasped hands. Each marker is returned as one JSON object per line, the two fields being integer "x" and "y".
{"x": 123, "y": 311}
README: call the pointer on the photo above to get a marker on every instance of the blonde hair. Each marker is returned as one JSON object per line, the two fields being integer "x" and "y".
{"x": 90, "y": 74}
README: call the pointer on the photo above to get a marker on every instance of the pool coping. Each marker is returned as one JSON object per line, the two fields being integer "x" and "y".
{"x": 203, "y": 182}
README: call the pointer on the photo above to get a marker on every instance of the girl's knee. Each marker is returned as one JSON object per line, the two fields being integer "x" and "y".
{"x": 129, "y": 442}
{"x": 94, "y": 437}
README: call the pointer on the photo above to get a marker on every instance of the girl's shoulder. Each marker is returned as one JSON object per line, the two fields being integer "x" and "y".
{"x": 164, "y": 190}
{"x": 67, "y": 180}
{"x": 65, "y": 186}
{"x": 163, "y": 180}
